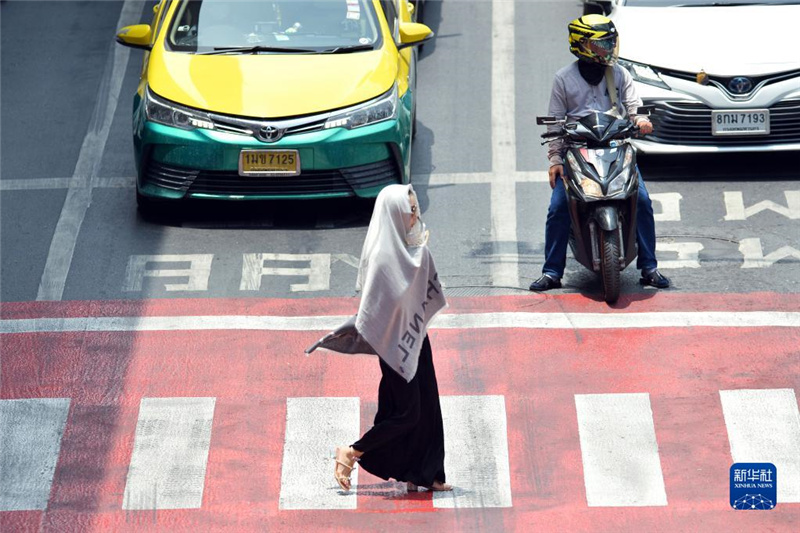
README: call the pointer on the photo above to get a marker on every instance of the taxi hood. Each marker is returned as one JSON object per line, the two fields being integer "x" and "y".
{"x": 271, "y": 85}
{"x": 723, "y": 41}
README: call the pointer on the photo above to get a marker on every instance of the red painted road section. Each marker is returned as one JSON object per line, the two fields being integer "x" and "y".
{"x": 251, "y": 373}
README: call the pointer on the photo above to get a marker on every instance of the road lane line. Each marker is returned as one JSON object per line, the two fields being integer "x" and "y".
{"x": 314, "y": 427}
{"x": 30, "y": 442}
{"x": 476, "y": 453}
{"x": 504, "y": 266}
{"x": 621, "y": 465}
{"x": 79, "y": 195}
{"x": 747, "y": 319}
{"x": 170, "y": 453}
{"x": 764, "y": 427}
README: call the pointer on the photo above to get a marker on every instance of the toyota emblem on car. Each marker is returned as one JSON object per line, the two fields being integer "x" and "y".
{"x": 271, "y": 134}
{"x": 740, "y": 85}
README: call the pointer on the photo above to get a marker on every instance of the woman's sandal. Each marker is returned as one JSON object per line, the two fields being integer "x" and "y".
{"x": 437, "y": 486}
{"x": 342, "y": 479}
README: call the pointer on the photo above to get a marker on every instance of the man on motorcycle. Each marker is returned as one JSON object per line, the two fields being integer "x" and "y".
{"x": 578, "y": 89}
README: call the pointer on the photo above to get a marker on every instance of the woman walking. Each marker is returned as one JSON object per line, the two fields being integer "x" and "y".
{"x": 401, "y": 293}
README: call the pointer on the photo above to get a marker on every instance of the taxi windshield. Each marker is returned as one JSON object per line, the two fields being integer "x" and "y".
{"x": 252, "y": 26}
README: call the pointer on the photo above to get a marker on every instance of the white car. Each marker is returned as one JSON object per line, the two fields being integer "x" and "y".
{"x": 723, "y": 76}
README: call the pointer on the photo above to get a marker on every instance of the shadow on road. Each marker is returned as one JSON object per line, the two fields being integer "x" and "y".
{"x": 718, "y": 167}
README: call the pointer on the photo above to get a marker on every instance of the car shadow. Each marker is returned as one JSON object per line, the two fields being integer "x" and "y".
{"x": 774, "y": 166}
{"x": 262, "y": 215}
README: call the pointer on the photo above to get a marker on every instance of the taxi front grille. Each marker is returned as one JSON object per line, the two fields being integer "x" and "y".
{"x": 344, "y": 181}
{"x": 689, "y": 123}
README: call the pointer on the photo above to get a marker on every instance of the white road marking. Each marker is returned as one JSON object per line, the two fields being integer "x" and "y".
{"x": 318, "y": 272}
{"x": 688, "y": 254}
{"x": 198, "y": 272}
{"x": 79, "y": 195}
{"x": 734, "y": 204}
{"x": 504, "y": 265}
{"x": 30, "y": 442}
{"x": 476, "y": 452}
{"x": 670, "y": 203}
{"x": 764, "y": 427}
{"x": 571, "y": 321}
{"x": 754, "y": 256}
{"x": 170, "y": 452}
{"x": 314, "y": 427}
{"x": 621, "y": 466}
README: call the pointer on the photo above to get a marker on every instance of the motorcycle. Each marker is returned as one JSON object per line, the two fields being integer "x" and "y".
{"x": 602, "y": 182}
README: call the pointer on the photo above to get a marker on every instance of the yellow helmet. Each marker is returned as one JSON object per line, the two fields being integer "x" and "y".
{"x": 594, "y": 38}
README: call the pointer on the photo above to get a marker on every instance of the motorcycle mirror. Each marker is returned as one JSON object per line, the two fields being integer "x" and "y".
{"x": 546, "y": 121}
{"x": 645, "y": 110}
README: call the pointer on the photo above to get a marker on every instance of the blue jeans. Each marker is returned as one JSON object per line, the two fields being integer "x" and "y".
{"x": 556, "y": 232}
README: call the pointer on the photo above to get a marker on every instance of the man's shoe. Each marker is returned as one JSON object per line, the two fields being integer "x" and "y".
{"x": 654, "y": 278}
{"x": 545, "y": 283}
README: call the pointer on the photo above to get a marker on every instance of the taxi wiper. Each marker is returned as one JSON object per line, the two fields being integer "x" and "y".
{"x": 255, "y": 50}
{"x": 348, "y": 49}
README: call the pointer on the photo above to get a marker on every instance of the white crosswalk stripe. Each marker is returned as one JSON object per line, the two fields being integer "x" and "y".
{"x": 764, "y": 427}
{"x": 314, "y": 427}
{"x": 170, "y": 453}
{"x": 621, "y": 465}
{"x": 30, "y": 441}
{"x": 476, "y": 452}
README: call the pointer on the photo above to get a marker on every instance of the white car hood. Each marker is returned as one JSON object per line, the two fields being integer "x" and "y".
{"x": 722, "y": 41}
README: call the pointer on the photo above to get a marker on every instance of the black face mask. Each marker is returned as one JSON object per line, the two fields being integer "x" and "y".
{"x": 591, "y": 72}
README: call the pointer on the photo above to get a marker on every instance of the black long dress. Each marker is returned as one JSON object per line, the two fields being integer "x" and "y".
{"x": 407, "y": 441}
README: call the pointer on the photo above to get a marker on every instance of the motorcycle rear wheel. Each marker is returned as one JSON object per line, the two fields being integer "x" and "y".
{"x": 609, "y": 266}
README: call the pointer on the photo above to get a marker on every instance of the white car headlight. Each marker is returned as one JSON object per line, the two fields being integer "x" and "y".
{"x": 171, "y": 114}
{"x": 644, "y": 74}
{"x": 382, "y": 108}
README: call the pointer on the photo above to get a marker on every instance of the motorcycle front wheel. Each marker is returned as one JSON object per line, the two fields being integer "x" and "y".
{"x": 609, "y": 267}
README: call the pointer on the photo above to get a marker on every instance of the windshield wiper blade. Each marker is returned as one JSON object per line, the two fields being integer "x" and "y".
{"x": 725, "y": 4}
{"x": 256, "y": 49}
{"x": 348, "y": 49}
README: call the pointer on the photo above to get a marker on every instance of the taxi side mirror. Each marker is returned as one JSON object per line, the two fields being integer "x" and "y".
{"x": 136, "y": 36}
{"x": 413, "y": 34}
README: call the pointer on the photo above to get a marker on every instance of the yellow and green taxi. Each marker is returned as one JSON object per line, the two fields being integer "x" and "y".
{"x": 255, "y": 99}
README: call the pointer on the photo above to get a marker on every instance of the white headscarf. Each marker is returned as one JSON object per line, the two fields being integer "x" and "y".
{"x": 400, "y": 287}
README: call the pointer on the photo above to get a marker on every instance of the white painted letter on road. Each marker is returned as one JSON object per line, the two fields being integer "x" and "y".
{"x": 670, "y": 203}
{"x": 318, "y": 271}
{"x": 734, "y": 205}
{"x": 754, "y": 254}
{"x": 688, "y": 254}
{"x": 198, "y": 272}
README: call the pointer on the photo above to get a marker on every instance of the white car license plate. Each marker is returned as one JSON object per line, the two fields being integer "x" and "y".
{"x": 744, "y": 122}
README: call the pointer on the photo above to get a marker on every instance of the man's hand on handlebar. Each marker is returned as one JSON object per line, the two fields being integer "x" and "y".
{"x": 555, "y": 172}
{"x": 645, "y": 126}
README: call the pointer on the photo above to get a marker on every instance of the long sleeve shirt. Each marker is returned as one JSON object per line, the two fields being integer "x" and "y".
{"x": 573, "y": 97}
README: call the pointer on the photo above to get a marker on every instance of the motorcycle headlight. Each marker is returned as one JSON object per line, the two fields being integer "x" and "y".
{"x": 170, "y": 114}
{"x": 382, "y": 108}
{"x": 589, "y": 187}
{"x": 644, "y": 74}
{"x": 618, "y": 183}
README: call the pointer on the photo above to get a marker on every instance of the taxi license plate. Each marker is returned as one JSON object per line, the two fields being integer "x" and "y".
{"x": 269, "y": 163}
{"x": 744, "y": 122}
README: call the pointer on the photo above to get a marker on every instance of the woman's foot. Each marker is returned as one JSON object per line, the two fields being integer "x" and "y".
{"x": 345, "y": 460}
{"x": 438, "y": 486}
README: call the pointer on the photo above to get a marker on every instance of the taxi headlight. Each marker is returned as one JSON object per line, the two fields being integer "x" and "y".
{"x": 382, "y": 108}
{"x": 170, "y": 114}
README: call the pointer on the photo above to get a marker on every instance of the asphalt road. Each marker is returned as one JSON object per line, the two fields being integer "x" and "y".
{"x": 51, "y": 87}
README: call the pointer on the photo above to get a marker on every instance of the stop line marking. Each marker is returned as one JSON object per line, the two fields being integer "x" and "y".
{"x": 512, "y": 320}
